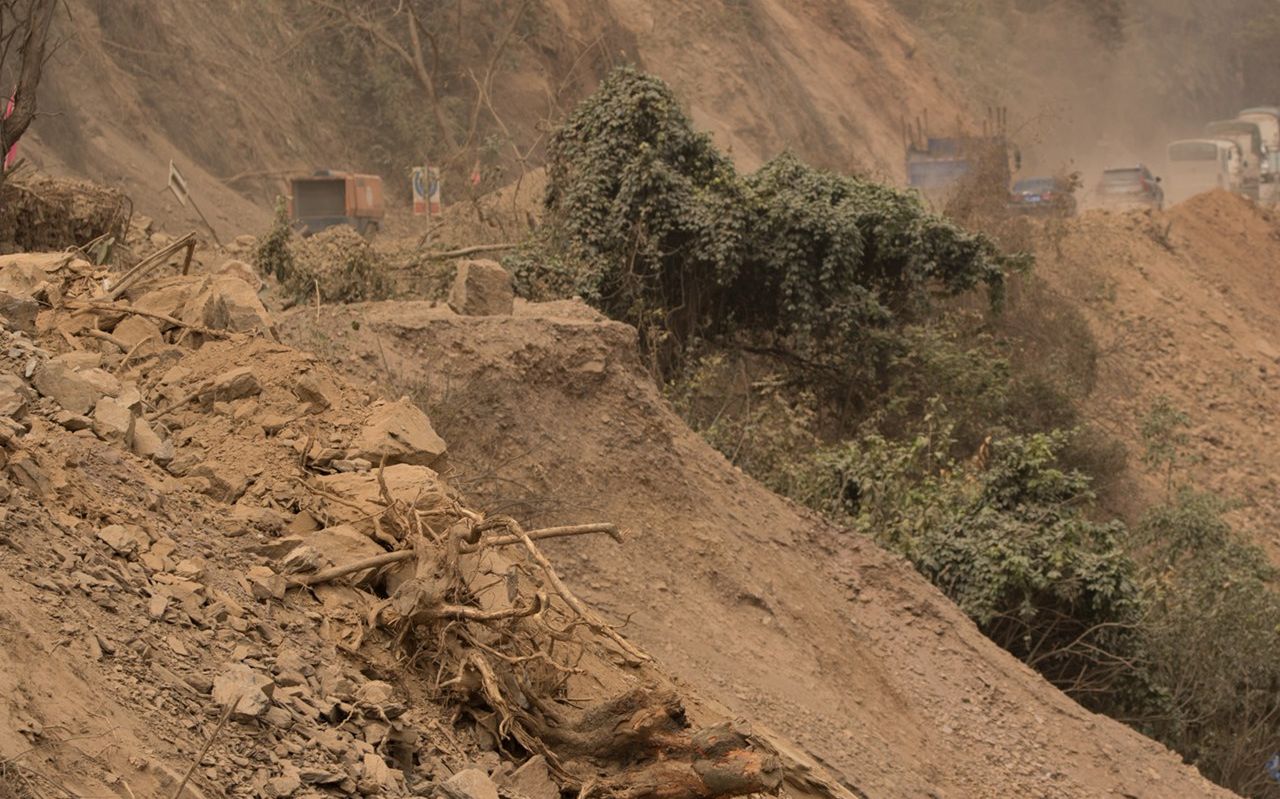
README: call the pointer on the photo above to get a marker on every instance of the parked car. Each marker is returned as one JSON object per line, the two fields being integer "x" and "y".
{"x": 1130, "y": 186}
{"x": 1053, "y": 196}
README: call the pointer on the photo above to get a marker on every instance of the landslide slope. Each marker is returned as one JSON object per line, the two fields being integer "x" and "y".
{"x": 225, "y": 90}
{"x": 1186, "y": 305}
{"x": 838, "y": 646}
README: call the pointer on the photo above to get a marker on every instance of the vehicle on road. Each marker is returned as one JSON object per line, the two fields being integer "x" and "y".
{"x": 1050, "y": 196}
{"x": 329, "y": 198}
{"x": 1200, "y": 165}
{"x": 1249, "y": 136}
{"x": 1131, "y": 186}
{"x": 1268, "y": 120}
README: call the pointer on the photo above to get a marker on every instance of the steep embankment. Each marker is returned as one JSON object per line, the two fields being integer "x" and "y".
{"x": 1186, "y": 304}
{"x": 835, "y": 644}
{"x": 223, "y": 91}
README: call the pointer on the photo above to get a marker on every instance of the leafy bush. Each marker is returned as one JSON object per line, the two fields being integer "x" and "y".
{"x": 272, "y": 255}
{"x": 1210, "y": 637}
{"x": 339, "y": 265}
{"x": 1005, "y": 535}
{"x": 655, "y": 227}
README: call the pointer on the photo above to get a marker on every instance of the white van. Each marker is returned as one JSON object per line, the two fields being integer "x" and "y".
{"x": 1199, "y": 165}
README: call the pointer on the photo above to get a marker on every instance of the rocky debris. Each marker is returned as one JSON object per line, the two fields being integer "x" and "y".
{"x": 225, "y": 302}
{"x": 242, "y": 271}
{"x": 113, "y": 422}
{"x": 28, "y": 274}
{"x": 469, "y": 783}
{"x": 249, "y": 690}
{"x": 263, "y": 583}
{"x": 124, "y": 539}
{"x": 18, "y": 311}
{"x": 531, "y": 781}
{"x": 66, "y": 386}
{"x": 142, "y": 336}
{"x": 148, "y": 444}
{"x": 482, "y": 288}
{"x": 398, "y": 432}
{"x": 15, "y": 396}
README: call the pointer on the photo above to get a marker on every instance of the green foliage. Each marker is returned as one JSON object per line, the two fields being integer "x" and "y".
{"x": 654, "y": 226}
{"x": 1165, "y": 439}
{"x": 1211, "y": 635}
{"x": 272, "y": 255}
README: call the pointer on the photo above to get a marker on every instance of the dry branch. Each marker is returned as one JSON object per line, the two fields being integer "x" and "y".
{"x": 104, "y": 308}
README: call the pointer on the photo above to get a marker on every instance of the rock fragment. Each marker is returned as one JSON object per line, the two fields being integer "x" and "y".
{"x": 400, "y": 432}
{"x": 113, "y": 422}
{"x": 247, "y": 689}
{"x": 471, "y": 783}
{"x": 481, "y": 288}
{"x": 65, "y": 386}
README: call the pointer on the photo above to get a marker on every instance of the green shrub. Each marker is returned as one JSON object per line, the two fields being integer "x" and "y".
{"x": 655, "y": 227}
{"x": 1211, "y": 636}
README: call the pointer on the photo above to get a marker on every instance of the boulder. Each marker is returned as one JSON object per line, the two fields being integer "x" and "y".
{"x": 334, "y": 546}
{"x": 169, "y": 296}
{"x": 226, "y": 302}
{"x": 244, "y": 689}
{"x": 401, "y": 433}
{"x": 236, "y": 384}
{"x": 124, "y": 539}
{"x": 481, "y": 288}
{"x": 15, "y": 396}
{"x": 265, "y": 584}
{"x": 113, "y": 422}
{"x": 471, "y": 783}
{"x": 148, "y": 444}
{"x": 363, "y": 494}
{"x": 133, "y": 331}
{"x": 24, "y": 274}
{"x": 65, "y": 386}
{"x": 241, "y": 270}
{"x": 532, "y": 780}
{"x": 18, "y": 311}
{"x": 103, "y": 381}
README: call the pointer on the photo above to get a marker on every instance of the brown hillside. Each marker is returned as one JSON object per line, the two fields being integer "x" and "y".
{"x": 836, "y": 645}
{"x": 1186, "y": 304}
{"x": 218, "y": 89}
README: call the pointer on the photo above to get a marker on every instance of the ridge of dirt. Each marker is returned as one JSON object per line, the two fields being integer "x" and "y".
{"x": 1186, "y": 304}
{"x": 838, "y": 646}
{"x": 176, "y": 487}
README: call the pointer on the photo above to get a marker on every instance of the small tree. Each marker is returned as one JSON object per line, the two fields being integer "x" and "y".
{"x": 24, "y": 37}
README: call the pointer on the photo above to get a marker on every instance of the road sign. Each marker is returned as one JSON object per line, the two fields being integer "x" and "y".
{"x": 433, "y": 190}
{"x": 419, "y": 191}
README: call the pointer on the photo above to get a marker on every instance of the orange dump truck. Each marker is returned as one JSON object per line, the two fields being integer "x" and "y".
{"x": 328, "y": 198}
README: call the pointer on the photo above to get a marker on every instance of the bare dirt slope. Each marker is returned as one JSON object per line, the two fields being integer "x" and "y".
{"x": 836, "y": 645}
{"x": 173, "y": 487}
{"x": 219, "y": 89}
{"x": 1186, "y": 305}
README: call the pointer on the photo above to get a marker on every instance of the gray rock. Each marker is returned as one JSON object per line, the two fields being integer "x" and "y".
{"x": 481, "y": 288}
{"x": 65, "y": 386}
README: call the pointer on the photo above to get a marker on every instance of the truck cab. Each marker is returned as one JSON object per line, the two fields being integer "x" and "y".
{"x": 329, "y": 198}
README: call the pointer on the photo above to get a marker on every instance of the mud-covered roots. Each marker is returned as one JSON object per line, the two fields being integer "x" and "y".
{"x": 477, "y": 606}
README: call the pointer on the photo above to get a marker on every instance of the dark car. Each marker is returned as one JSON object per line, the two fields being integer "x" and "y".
{"x": 1053, "y": 196}
{"x": 1130, "y": 186}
